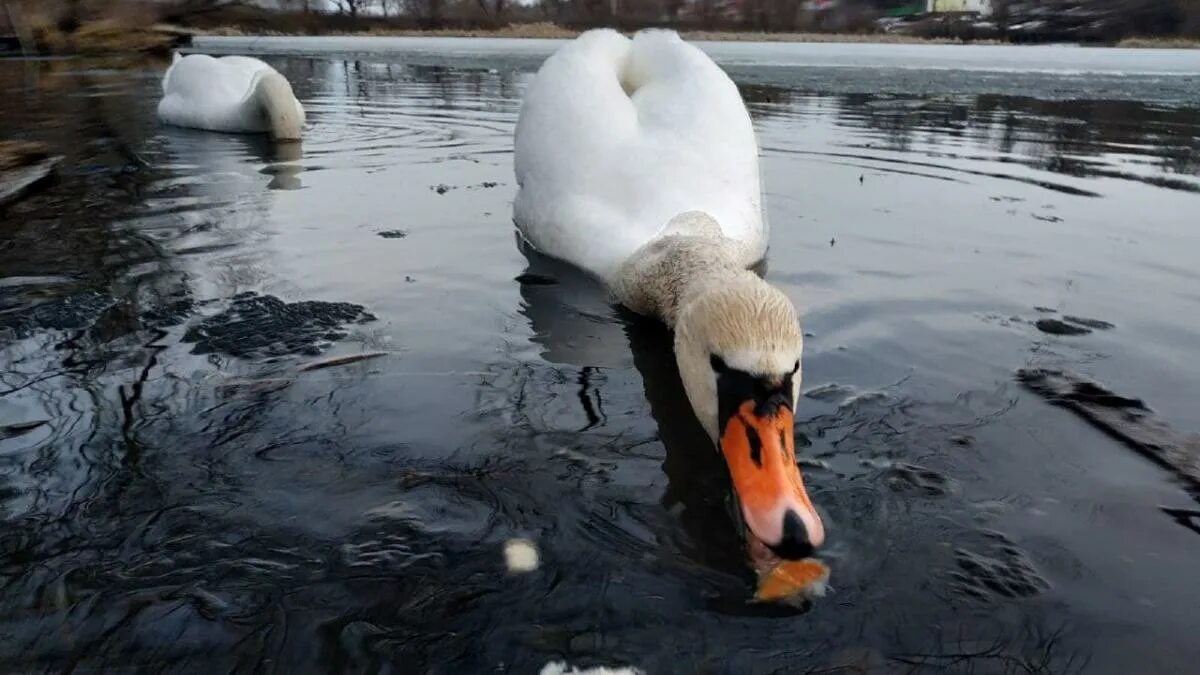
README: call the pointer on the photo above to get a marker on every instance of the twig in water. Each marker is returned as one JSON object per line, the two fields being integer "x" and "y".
{"x": 339, "y": 361}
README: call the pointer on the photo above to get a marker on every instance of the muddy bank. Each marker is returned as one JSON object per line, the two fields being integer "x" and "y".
{"x": 42, "y": 33}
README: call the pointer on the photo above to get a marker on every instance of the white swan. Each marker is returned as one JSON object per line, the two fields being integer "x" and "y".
{"x": 636, "y": 160}
{"x": 234, "y": 94}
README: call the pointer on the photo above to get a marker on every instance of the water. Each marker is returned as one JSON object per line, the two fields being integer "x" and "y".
{"x": 182, "y": 509}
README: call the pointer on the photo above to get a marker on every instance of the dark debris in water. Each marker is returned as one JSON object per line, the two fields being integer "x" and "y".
{"x": 1088, "y": 323}
{"x": 534, "y": 279}
{"x": 171, "y": 313}
{"x": 1128, "y": 420}
{"x": 340, "y": 361}
{"x": 103, "y": 315}
{"x": 257, "y": 325}
{"x": 442, "y": 188}
{"x": 392, "y": 234}
{"x": 71, "y": 312}
{"x": 24, "y": 167}
{"x": 1056, "y": 327}
{"x": 19, "y": 429}
{"x": 1189, "y": 518}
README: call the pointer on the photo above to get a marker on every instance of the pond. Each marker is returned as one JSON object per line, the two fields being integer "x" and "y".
{"x": 181, "y": 492}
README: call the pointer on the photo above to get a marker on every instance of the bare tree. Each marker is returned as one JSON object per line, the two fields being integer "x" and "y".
{"x": 595, "y": 10}
{"x": 493, "y": 9}
{"x": 754, "y": 14}
{"x": 707, "y": 11}
{"x": 427, "y": 12}
{"x": 553, "y": 10}
{"x": 391, "y": 7}
{"x": 352, "y": 7}
{"x": 784, "y": 14}
{"x": 673, "y": 8}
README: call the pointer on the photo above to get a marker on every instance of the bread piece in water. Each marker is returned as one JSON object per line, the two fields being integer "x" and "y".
{"x": 793, "y": 579}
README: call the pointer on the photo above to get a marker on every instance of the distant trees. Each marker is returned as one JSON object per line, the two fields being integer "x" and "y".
{"x": 494, "y": 9}
{"x": 352, "y": 7}
{"x": 1058, "y": 19}
{"x": 296, "y": 5}
{"x": 391, "y": 8}
{"x": 428, "y": 13}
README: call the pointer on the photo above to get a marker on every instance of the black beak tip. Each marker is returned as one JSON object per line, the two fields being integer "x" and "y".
{"x": 795, "y": 544}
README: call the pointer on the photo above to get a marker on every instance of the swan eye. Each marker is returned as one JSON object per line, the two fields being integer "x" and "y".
{"x": 717, "y": 363}
{"x": 796, "y": 367}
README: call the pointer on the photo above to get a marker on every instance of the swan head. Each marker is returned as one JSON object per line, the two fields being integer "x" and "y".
{"x": 738, "y": 345}
{"x": 284, "y": 116}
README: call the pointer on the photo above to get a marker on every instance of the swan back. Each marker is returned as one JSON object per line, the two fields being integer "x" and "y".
{"x": 233, "y": 94}
{"x": 616, "y": 137}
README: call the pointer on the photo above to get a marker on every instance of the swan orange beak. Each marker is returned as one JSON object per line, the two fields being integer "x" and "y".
{"x": 761, "y": 454}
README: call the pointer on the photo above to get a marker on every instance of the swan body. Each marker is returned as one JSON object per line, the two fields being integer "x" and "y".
{"x": 235, "y": 94}
{"x": 636, "y": 161}
{"x": 617, "y": 136}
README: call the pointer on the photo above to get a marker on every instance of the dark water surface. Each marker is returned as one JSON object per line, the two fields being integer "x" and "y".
{"x": 177, "y": 496}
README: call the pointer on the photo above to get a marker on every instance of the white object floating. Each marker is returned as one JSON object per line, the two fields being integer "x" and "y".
{"x": 561, "y": 668}
{"x": 520, "y": 555}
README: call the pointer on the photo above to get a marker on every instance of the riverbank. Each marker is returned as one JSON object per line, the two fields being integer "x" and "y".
{"x": 107, "y": 37}
{"x": 99, "y": 38}
{"x": 1159, "y": 43}
{"x": 553, "y": 31}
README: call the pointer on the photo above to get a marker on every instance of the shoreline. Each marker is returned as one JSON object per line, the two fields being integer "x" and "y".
{"x": 552, "y": 31}
{"x": 540, "y": 31}
{"x": 111, "y": 38}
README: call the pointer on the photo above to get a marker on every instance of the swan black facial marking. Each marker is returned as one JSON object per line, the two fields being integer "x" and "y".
{"x": 755, "y": 442}
{"x": 735, "y": 387}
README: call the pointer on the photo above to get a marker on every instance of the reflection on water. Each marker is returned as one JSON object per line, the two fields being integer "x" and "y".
{"x": 175, "y": 511}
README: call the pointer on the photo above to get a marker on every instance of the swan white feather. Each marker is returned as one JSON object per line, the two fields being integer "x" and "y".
{"x": 235, "y": 94}
{"x": 617, "y": 136}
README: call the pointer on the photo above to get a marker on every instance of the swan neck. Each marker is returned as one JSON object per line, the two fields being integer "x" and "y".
{"x": 665, "y": 276}
{"x": 275, "y": 96}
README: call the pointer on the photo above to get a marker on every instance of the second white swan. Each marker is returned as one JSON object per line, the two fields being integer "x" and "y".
{"x": 235, "y": 94}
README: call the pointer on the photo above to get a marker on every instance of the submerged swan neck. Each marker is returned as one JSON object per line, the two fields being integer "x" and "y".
{"x": 275, "y": 96}
{"x": 666, "y": 275}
